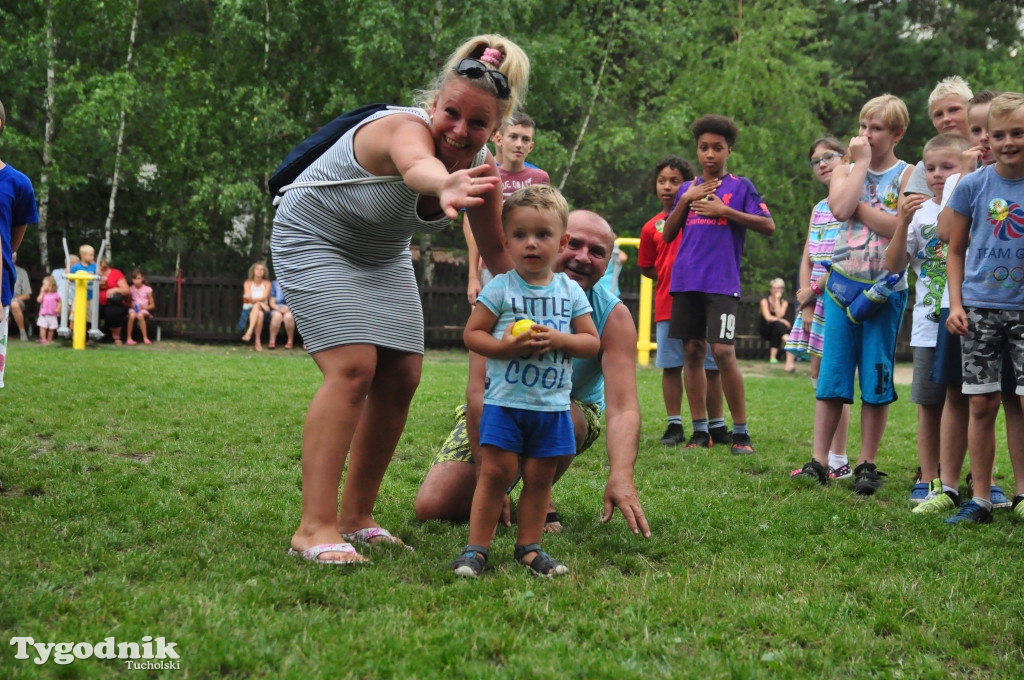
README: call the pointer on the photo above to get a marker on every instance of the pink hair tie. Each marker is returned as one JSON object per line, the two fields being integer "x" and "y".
{"x": 492, "y": 56}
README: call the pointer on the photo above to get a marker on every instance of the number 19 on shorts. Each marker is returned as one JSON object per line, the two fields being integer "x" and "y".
{"x": 727, "y": 327}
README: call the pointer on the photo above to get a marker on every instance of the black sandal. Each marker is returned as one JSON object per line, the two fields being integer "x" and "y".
{"x": 471, "y": 562}
{"x": 543, "y": 564}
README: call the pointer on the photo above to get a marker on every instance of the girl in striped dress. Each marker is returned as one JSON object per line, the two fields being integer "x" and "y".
{"x": 341, "y": 254}
{"x": 808, "y": 334}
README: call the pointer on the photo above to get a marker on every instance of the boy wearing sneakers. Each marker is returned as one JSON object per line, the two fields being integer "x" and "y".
{"x": 717, "y": 209}
{"x": 943, "y": 492}
{"x": 865, "y": 195}
{"x": 655, "y": 259}
{"x": 916, "y": 243}
{"x": 986, "y": 298}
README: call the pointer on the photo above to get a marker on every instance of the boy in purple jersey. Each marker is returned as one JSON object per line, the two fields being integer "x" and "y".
{"x": 713, "y": 212}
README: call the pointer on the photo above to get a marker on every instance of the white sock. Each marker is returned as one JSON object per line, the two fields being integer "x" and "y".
{"x": 950, "y": 489}
{"x": 836, "y": 461}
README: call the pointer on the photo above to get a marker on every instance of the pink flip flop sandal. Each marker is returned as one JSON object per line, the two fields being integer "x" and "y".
{"x": 313, "y": 554}
{"x": 366, "y": 536}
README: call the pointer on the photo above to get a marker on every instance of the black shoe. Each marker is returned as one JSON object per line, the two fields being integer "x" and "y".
{"x": 699, "y": 440}
{"x": 741, "y": 445}
{"x": 811, "y": 471}
{"x": 867, "y": 479}
{"x": 720, "y": 435}
{"x": 674, "y": 435}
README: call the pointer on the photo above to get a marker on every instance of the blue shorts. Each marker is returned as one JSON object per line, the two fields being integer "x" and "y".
{"x": 869, "y": 349}
{"x": 531, "y": 434}
{"x": 670, "y": 350}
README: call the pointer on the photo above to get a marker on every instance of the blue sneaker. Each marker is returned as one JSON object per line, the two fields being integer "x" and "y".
{"x": 973, "y": 512}
{"x": 919, "y": 494}
{"x": 999, "y": 499}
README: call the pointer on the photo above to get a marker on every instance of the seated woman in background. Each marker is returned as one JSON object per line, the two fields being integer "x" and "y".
{"x": 280, "y": 313}
{"x": 115, "y": 296}
{"x": 255, "y": 296}
{"x": 774, "y": 326}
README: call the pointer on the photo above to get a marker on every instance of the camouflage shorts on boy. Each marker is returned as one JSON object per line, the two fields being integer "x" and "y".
{"x": 989, "y": 333}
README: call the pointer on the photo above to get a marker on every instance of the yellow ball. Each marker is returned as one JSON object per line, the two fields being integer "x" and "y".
{"x": 522, "y": 326}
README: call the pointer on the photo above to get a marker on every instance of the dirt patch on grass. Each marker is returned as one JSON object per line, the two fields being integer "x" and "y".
{"x": 902, "y": 375}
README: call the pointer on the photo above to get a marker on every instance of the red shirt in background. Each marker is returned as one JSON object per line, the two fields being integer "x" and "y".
{"x": 654, "y": 252}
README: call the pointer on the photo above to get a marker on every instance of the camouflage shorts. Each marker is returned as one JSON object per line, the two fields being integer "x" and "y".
{"x": 990, "y": 332}
{"x": 456, "y": 447}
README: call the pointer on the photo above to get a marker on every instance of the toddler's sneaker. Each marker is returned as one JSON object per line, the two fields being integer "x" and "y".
{"x": 674, "y": 435}
{"x": 972, "y": 512}
{"x": 841, "y": 472}
{"x": 741, "y": 445}
{"x": 867, "y": 479}
{"x": 699, "y": 440}
{"x": 998, "y": 498}
{"x": 812, "y": 471}
{"x": 720, "y": 435}
{"x": 1018, "y": 504}
{"x": 919, "y": 493}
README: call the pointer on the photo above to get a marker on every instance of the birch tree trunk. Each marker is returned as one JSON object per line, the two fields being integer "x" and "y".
{"x": 586, "y": 121}
{"x": 426, "y": 241}
{"x": 120, "y": 145}
{"x": 261, "y": 216}
{"x": 44, "y": 174}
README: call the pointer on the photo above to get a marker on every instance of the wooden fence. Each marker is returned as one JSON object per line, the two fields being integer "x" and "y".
{"x": 210, "y": 306}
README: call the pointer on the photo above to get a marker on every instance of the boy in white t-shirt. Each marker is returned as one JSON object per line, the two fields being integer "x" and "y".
{"x": 915, "y": 242}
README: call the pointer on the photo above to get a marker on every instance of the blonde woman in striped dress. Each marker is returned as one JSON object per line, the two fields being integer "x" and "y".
{"x": 341, "y": 253}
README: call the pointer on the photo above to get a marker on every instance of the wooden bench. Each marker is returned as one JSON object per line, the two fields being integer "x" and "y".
{"x": 159, "y": 321}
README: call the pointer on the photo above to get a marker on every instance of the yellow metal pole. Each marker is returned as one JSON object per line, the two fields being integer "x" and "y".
{"x": 81, "y": 280}
{"x": 643, "y": 326}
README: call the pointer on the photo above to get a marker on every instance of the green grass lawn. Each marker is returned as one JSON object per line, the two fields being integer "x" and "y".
{"x": 153, "y": 491}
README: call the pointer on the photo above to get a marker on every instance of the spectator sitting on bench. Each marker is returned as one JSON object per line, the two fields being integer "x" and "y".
{"x": 256, "y": 291}
{"x": 142, "y": 306}
{"x": 115, "y": 296}
{"x": 22, "y": 294}
{"x": 280, "y": 313}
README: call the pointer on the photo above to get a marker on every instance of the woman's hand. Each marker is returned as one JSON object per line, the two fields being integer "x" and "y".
{"x": 466, "y": 189}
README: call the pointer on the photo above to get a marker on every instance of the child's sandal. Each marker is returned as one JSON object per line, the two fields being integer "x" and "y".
{"x": 471, "y": 562}
{"x": 542, "y": 564}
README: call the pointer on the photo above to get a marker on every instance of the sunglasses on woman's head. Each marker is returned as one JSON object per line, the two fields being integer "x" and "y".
{"x": 474, "y": 69}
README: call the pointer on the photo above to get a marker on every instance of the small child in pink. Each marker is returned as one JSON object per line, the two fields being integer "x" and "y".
{"x": 49, "y": 309}
{"x": 142, "y": 302}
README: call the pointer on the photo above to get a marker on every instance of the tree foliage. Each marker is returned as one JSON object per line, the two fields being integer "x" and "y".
{"x": 220, "y": 90}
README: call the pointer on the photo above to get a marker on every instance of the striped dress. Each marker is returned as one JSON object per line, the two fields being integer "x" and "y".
{"x": 821, "y": 240}
{"x": 342, "y": 254}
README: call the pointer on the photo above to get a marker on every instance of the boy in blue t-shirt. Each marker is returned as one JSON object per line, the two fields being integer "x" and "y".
{"x": 530, "y": 324}
{"x": 986, "y": 291}
{"x": 17, "y": 211}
